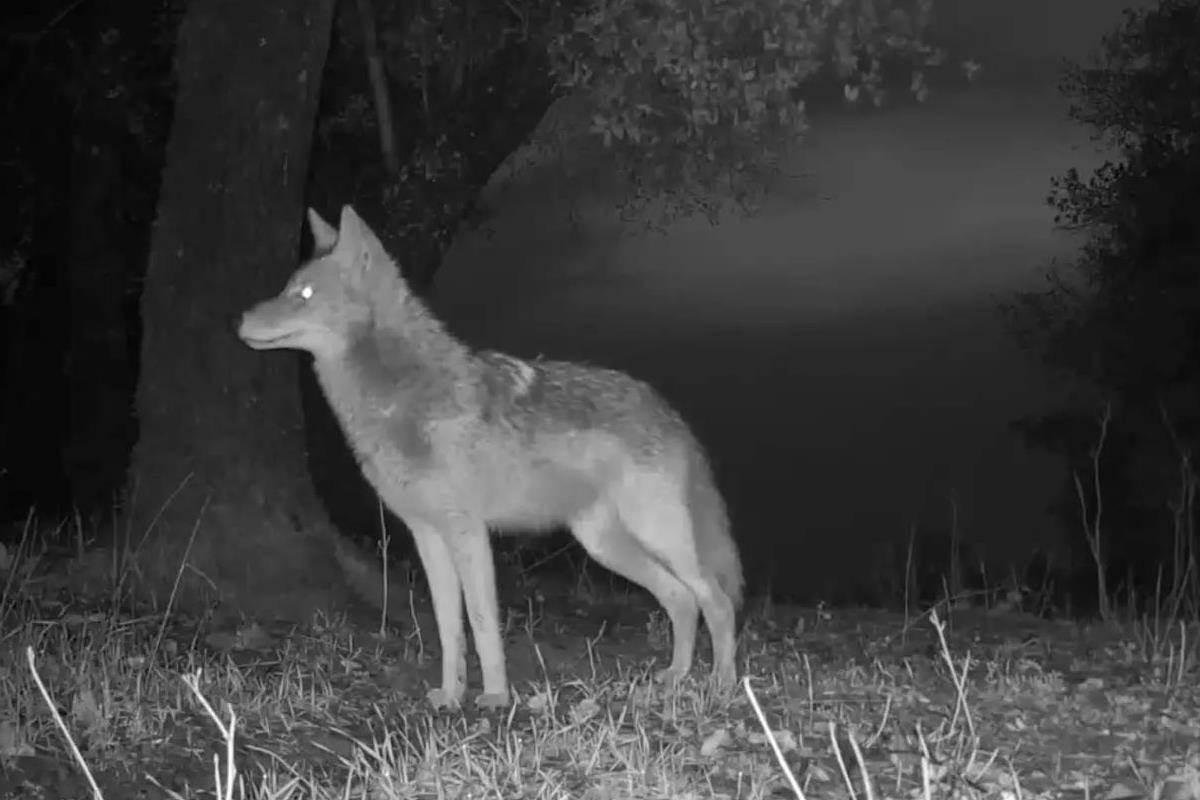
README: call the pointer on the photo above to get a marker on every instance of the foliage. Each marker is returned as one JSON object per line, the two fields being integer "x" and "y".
{"x": 688, "y": 104}
{"x": 1126, "y": 316}
{"x": 698, "y": 100}
{"x": 468, "y": 84}
{"x": 1122, "y": 321}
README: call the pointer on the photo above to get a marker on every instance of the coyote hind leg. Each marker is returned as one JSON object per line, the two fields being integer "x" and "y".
{"x": 655, "y": 514}
{"x": 601, "y": 533}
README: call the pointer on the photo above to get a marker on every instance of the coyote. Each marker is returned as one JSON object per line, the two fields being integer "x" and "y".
{"x": 458, "y": 442}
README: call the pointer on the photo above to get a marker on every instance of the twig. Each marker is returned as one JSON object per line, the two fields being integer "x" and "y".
{"x": 62, "y": 726}
{"x": 762, "y": 720}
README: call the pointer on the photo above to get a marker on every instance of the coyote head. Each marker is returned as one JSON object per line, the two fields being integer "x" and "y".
{"x": 330, "y": 300}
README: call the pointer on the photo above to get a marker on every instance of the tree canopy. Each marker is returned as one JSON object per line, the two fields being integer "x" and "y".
{"x": 698, "y": 100}
{"x": 679, "y": 106}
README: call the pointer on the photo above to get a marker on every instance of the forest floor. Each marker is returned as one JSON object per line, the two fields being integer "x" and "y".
{"x": 971, "y": 703}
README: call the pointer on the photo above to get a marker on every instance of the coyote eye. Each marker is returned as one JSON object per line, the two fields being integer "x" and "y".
{"x": 306, "y": 292}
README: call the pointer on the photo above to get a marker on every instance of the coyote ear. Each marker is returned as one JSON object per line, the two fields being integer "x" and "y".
{"x": 350, "y": 224}
{"x": 350, "y": 238}
{"x": 353, "y": 244}
{"x": 357, "y": 243}
{"x": 324, "y": 235}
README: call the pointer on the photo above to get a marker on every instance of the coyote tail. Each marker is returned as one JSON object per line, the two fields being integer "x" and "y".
{"x": 710, "y": 521}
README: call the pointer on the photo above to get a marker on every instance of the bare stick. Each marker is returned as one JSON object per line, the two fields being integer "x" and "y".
{"x": 379, "y": 88}
{"x": 1092, "y": 527}
{"x": 762, "y": 720}
{"x": 62, "y": 726}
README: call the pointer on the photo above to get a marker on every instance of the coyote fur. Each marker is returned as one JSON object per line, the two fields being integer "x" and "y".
{"x": 458, "y": 442}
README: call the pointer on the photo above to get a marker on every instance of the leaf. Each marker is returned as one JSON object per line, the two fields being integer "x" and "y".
{"x": 1181, "y": 787}
{"x": 539, "y": 701}
{"x": 1122, "y": 790}
{"x": 584, "y": 710}
{"x": 784, "y": 738}
{"x": 714, "y": 742}
{"x": 254, "y": 637}
{"x": 12, "y": 743}
{"x": 86, "y": 714}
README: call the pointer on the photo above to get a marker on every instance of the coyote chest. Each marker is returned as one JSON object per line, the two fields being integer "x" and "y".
{"x": 396, "y": 443}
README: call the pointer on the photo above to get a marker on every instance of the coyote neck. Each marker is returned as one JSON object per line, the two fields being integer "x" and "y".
{"x": 405, "y": 332}
{"x": 399, "y": 372}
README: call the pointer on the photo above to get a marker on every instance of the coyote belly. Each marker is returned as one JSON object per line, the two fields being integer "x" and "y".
{"x": 459, "y": 442}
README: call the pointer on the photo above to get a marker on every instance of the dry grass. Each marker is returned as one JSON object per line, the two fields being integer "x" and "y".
{"x": 858, "y": 704}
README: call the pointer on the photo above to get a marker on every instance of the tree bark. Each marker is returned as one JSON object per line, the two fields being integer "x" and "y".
{"x": 119, "y": 120}
{"x": 100, "y": 372}
{"x": 218, "y": 473}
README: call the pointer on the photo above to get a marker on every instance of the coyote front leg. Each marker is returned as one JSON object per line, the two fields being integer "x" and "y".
{"x": 446, "y": 589}
{"x": 472, "y": 548}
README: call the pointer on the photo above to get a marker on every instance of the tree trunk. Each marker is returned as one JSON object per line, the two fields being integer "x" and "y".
{"x": 100, "y": 370}
{"x": 221, "y": 447}
{"x": 33, "y": 400}
{"x": 118, "y": 130}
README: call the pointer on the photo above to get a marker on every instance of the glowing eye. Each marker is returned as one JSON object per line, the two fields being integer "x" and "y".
{"x": 306, "y": 292}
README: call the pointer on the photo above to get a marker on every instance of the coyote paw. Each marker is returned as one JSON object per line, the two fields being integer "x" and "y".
{"x": 443, "y": 700}
{"x": 492, "y": 700}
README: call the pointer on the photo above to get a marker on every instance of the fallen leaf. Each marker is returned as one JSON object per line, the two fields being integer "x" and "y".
{"x": 714, "y": 742}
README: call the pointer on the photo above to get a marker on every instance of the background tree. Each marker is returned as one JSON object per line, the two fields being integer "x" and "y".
{"x": 89, "y": 84}
{"x": 1121, "y": 322}
{"x": 220, "y": 451}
